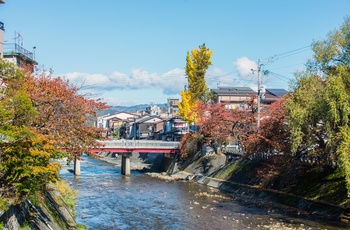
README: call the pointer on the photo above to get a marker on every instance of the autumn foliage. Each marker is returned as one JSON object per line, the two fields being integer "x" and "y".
{"x": 40, "y": 116}
{"x": 63, "y": 112}
{"x": 273, "y": 134}
{"x": 197, "y": 63}
{"x": 190, "y": 144}
{"x": 25, "y": 165}
{"x": 218, "y": 124}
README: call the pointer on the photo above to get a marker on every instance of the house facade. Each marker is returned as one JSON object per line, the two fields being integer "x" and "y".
{"x": 174, "y": 129}
{"x": 233, "y": 97}
{"x": 145, "y": 127}
{"x": 111, "y": 121}
{"x": 272, "y": 95}
{"x": 172, "y": 107}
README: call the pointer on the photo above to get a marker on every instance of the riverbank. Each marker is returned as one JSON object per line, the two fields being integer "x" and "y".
{"x": 49, "y": 211}
{"x": 257, "y": 188}
{"x": 299, "y": 190}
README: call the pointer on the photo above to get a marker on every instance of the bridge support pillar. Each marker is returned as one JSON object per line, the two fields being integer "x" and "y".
{"x": 168, "y": 161}
{"x": 126, "y": 164}
{"x": 76, "y": 166}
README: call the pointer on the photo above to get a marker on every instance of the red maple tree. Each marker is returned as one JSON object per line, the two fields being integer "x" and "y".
{"x": 64, "y": 113}
{"x": 219, "y": 124}
{"x": 272, "y": 135}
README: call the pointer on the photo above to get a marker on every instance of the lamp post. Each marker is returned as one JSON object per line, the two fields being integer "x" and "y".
{"x": 34, "y": 48}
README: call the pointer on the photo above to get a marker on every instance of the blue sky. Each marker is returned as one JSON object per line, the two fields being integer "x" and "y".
{"x": 134, "y": 51}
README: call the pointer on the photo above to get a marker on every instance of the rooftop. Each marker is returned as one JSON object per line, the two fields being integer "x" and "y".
{"x": 234, "y": 90}
{"x": 277, "y": 92}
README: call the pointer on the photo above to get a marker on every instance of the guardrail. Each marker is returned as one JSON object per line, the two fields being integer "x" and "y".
{"x": 13, "y": 47}
{"x": 140, "y": 144}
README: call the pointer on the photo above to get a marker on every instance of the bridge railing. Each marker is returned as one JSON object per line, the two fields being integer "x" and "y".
{"x": 139, "y": 144}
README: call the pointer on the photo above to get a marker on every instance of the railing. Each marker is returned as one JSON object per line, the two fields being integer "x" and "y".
{"x": 13, "y": 47}
{"x": 140, "y": 144}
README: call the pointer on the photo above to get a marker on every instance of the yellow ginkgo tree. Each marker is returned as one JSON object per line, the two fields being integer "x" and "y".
{"x": 186, "y": 108}
{"x": 197, "y": 63}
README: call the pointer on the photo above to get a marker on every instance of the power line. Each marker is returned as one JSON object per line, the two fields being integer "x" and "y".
{"x": 276, "y": 57}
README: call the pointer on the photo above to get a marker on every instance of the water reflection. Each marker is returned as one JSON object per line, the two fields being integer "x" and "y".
{"x": 109, "y": 200}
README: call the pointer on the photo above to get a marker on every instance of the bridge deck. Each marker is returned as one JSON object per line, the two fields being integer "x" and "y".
{"x": 141, "y": 146}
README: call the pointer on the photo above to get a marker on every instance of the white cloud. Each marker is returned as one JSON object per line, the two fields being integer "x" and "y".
{"x": 170, "y": 82}
{"x": 245, "y": 66}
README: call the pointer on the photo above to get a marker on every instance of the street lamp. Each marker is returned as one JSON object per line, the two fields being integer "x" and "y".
{"x": 34, "y": 48}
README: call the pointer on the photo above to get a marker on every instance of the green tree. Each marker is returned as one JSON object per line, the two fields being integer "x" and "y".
{"x": 306, "y": 116}
{"x": 319, "y": 109}
{"x": 25, "y": 166}
{"x": 333, "y": 51}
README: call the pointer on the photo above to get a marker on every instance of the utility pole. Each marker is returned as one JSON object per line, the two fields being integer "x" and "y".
{"x": 259, "y": 90}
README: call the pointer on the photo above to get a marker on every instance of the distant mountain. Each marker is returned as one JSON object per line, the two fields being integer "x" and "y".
{"x": 129, "y": 109}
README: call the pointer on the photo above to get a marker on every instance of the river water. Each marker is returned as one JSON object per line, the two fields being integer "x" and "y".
{"x": 109, "y": 200}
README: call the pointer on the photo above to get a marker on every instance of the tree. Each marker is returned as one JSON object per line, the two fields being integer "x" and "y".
{"x": 319, "y": 109}
{"x": 273, "y": 134}
{"x": 306, "y": 116}
{"x": 218, "y": 124}
{"x": 25, "y": 166}
{"x": 333, "y": 51}
{"x": 186, "y": 107}
{"x": 197, "y": 63}
{"x": 64, "y": 113}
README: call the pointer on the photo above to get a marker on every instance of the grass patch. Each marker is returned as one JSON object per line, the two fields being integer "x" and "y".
{"x": 227, "y": 171}
{"x": 69, "y": 195}
{"x": 81, "y": 227}
{"x": 315, "y": 182}
{"x": 25, "y": 226}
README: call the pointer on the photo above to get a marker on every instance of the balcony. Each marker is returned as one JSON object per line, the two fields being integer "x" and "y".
{"x": 15, "y": 49}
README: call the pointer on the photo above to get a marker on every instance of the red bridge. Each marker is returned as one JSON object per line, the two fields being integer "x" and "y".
{"x": 126, "y": 147}
{"x": 139, "y": 146}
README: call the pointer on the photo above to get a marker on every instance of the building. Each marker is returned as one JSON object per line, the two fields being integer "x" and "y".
{"x": 174, "y": 129}
{"x": 153, "y": 110}
{"x": 113, "y": 121}
{"x": 146, "y": 127}
{"x": 173, "y": 107}
{"x": 272, "y": 95}
{"x": 233, "y": 97}
{"x": 2, "y": 32}
{"x": 17, "y": 54}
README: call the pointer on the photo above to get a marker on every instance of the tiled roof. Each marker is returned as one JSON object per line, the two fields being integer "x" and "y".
{"x": 277, "y": 92}
{"x": 234, "y": 90}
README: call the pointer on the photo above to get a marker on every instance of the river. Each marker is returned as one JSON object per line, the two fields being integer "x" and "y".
{"x": 109, "y": 200}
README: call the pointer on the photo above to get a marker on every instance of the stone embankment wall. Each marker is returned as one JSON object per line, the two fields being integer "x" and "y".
{"x": 53, "y": 215}
{"x": 203, "y": 169}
